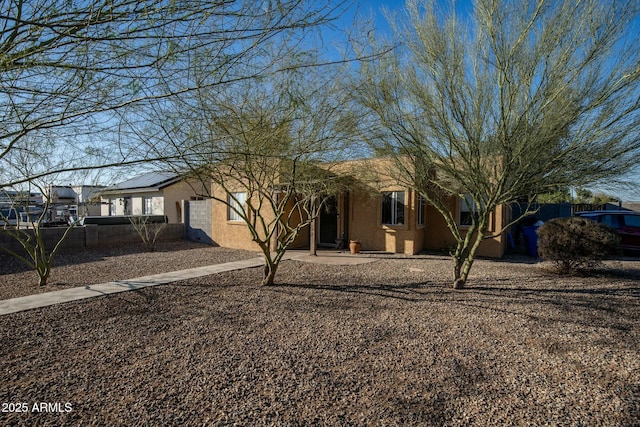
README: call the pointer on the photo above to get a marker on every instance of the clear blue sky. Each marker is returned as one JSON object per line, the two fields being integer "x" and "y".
{"x": 376, "y": 6}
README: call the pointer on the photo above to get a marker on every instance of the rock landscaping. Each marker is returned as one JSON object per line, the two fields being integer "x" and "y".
{"x": 386, "y": 343}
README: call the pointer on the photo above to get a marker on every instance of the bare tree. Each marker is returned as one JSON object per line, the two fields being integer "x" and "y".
{"x": 38, "y": 248}
{"x": 70, "y": 69}
{"x": 515, "y": 100}
{"x": 35, "y": 206}
{"x": 148, "y": 229}
{"x": 263, "y": 144}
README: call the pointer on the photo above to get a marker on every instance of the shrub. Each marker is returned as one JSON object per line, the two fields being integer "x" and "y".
{"x": 148, "y": 229}
{"x": 576, "y": 243}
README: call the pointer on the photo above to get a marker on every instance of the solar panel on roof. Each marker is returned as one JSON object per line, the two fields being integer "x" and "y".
{"x": 150, "y": 179}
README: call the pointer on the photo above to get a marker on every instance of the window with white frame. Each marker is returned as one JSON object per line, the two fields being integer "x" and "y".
{"x": 112, "y": 207}
{"x": 393, "y": 208}
{"x": 147, "y": 205}
{"x": 237, "y": 202}
{"x": 420, "y": 211}
{"x": 468, "y": 210}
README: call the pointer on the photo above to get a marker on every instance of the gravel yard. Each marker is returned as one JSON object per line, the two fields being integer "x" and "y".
{"x": 111, "y": 263}
{"x": 386, "y": 343}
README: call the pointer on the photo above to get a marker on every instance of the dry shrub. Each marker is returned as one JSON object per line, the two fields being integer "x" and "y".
{"x": 574, "y": 244}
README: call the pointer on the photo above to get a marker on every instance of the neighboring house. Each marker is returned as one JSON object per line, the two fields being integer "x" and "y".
{"x": 76, "y": 201}
{"x": 375, "y": 210}
{"x": 88, "y": 199}
{"x": 10, "y": 198}
{"x": 154, "y": 193}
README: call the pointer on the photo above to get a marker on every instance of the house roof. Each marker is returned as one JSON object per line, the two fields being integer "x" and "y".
{"x": 147, "y": 181}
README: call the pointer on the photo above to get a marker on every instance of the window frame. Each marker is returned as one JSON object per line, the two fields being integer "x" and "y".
{"x": 466, "y": 205}
{"x": 235, "y": 202}
{"x": 491, "y": 226}
{"x": 394, "y": 206}
{"x": 147, "y": 205}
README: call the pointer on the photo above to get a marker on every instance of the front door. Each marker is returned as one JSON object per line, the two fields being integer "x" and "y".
{"x": 328, "y": 222}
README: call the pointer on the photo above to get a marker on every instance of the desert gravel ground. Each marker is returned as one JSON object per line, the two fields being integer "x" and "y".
{"x": 80, "y": 268}
{"x": 386, "y": 343}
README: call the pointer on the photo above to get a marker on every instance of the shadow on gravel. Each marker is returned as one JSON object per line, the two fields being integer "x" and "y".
{"x": 614, "y": 309}
{"x": 73, "y": 256}
{"x": 629, "y": 291}
{"x": 412, "y": 292}
{"x": 10, "y": 265}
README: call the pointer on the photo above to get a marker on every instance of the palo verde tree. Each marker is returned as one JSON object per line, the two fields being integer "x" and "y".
{"x": 262, "y": 147}
{"x": 514, "y": 100}
{"x": 71, "y": 70}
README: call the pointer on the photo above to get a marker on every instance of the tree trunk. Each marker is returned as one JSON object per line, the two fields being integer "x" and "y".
{"x": 269, "y": 273}
{"x": 458, "y": 281}
{"x": 43, "y": 275}
{"x": 463, "y": 267}
{"x": 464, "y": 258}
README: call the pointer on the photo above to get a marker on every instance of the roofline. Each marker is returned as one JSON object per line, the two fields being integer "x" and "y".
{"x": 136, "y": 190}
{"x": 160, "y": 186}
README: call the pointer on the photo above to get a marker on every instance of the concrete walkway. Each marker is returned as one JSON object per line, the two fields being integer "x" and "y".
{"x": 73, "y": 294}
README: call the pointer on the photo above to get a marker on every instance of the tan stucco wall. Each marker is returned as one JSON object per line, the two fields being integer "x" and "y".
{"x": 230, "y": 234}
{"x": 365, "y": 218}
{"x": 302, "y": 239}
{"x": 374, "y": 176}
{"x": 365, "y": 208}
{"x": 236, "y": 234}
{"x": 438, "y": 237}
{"x": 174, "y": 195}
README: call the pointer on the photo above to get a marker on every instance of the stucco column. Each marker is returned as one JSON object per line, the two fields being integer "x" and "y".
{"x": 313, "y": 237}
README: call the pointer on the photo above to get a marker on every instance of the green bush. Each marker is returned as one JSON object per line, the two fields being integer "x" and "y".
{"x": 576, "y": 243}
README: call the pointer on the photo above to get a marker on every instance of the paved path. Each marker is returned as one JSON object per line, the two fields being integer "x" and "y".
{"x": 72, "y": 294}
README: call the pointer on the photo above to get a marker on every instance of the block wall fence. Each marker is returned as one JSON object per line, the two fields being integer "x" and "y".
{"x": 92, "y": 236}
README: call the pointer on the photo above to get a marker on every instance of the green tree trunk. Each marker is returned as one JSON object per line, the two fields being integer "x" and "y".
{"x": 43, "y": 275}
{"x": 465, "y": 256}
{"x": 271, "y": 261}
{"x": 270, "y": 269}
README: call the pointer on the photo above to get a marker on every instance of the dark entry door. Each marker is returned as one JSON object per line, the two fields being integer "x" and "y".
{"x": 328, "y": 222}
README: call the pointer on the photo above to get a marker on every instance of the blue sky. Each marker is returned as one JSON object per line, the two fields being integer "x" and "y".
{"x": 462, "y": 6}
{"x": 375, "y": 7}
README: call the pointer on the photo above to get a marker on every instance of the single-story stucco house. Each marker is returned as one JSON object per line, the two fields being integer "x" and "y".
{"x": 382, "y": 214}
{"x": 153, "y": 193}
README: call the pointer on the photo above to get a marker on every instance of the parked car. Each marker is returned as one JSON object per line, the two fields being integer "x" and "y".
{"x": 626, "y": 223}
